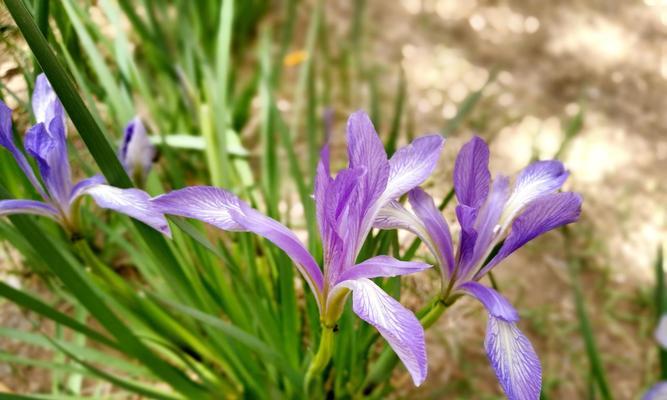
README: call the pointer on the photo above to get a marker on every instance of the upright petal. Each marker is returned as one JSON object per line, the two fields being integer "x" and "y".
{"x": 382, "y": 266}
{"x": 136, "y": 151}
{"x": 536, "y": 180}
{"x": 466, "y": 216}
{"x": 542, "y": 215}
{"x": 657, "y": 392}
{"x": 471, "y": 173}
{"x": 412, "y": 165}
{"x": 13, "y": 206}
{"x": 365, "y": 150}
{"x": 132, "y": 202}
{"x": 396, "y": 324}
{"x": 436, "y": 226}
{"x": 46, "y": 107}
{"x": 486, "y": 226}
{"x": 7, "y": 141}
{"x": 50, "y": 152}
{"x": 514, "y": 360}
{"x": 224, "y": 210}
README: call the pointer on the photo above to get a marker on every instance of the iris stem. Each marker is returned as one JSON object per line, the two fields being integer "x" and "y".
{"x": 322, "y": 357}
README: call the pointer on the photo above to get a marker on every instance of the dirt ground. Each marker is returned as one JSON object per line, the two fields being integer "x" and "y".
{"x": 552, "y": 59}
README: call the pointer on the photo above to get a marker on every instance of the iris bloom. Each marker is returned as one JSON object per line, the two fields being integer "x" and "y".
{"x": 491, "y": 214}
{"x": 136, "y": 151}
{"x": 346, "y": 207}
{"x": 46, "y": 143}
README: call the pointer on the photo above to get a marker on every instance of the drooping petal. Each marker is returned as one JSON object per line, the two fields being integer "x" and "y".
{"x": 435, "y": 225}
{"x": 471, "y": 173}
{"x": 77, "y": 190}
{"x": 47, "y": 108}
{"x": 396, "y": 324}
{"x": 536, "y": 180}
{"x": 13, "y": 206}
{"x": 495, "y": 303}
{"x": 136, "y": 151}
{"x": 51, "y": 155}
{"x": 7, "y": 141}
{"x": 412, "y": 165}
{"x": 657, "y": 392}
{"x": 132, "y": 202}
{"x": 224, "y": 210}
{"x": 365, "y": 150}
{"x": 660, "y": 334}
{"x": 205, "y": 203}
{"x": 514, "y": 360}
{"x": 382, "y": 266}
{"x": 542, "y": 215}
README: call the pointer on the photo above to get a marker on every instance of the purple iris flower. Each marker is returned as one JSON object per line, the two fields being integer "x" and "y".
{"x": 659, "y": 390}
{"x": 346, "y": 207}
{"x": 491, "y": 214}
{"x": 46, "y": 143}
{"x": 136, "y": 151}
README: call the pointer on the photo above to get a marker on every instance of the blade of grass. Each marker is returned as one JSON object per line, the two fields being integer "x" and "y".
{"x": 660, "y": 305}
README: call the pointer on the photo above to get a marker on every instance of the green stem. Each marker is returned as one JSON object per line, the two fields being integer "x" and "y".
{"x": 322, "y": 356}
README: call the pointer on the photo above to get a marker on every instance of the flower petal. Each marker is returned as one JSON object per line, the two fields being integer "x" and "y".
{"x": 14, "y": 206}
{"x": 495, "y": 303}
{"x": 136, "y": 151}
{"x": 50, "y": 152}
{"x": 540, "y": 216}
{"x": 77, "y": 190}
{"x": 514, "y": 360}
{"x": 657, "y": 392}
{"x": 396, "y": 324}
{"x": 382, "y": 266}
{"x": 412, "y": 165}
{"x": 133, "y": 202}
{"x": 7, "y": 141}
{"x": 224, "y": 210}
{"x": 47, "y": 108}
{"x": 435, "y": 225}
{"x": 466, "y": 216}
{"x": 365, "y": 150}
{"x": 660, "y": 334}
{"x": 471, "y": 173}
{"x": 536, "y": 180}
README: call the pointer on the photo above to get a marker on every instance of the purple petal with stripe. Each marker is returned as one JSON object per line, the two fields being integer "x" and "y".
{"x": 132, "y": 202}
{"x": 13, "y": 206}
{"x": 7, "y": 141}
{"x": 47, "y": 108}
{"x": 411, "y": 165}
{"x": 50, "y": 152}
{"x": 382, "y": 266}
{"x": 77, "y": 190}
{"x": 495, "y": 303}
{"x": 205, "y": 203}
{"x": 536, "y": 180}
{"x": 466, "y": 216}
{"x": 365, "y": 150}
{"x": 436, "y": 226}
{"x": 224, "y": 210}
{"x": 471, "y": 173}
{"x": 514, "y": 360}
{"x": 396, "y": 324}
{"x": 540, "y": 216}
{"x": 657, "y": 392}
{"x": 486, "y": 225}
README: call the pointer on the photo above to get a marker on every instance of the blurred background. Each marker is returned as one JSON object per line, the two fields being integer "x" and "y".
{"x": 583, "y": 81}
